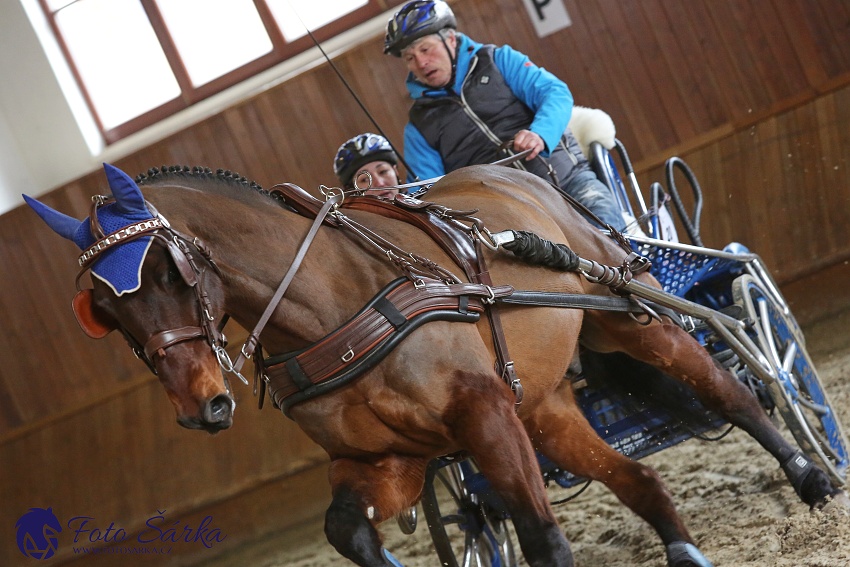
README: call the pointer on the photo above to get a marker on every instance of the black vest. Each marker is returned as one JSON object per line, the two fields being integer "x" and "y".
{"x": 468, "y": 130}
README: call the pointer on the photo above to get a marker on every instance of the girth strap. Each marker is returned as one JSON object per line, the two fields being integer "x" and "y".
{"x": 505, "y": 365}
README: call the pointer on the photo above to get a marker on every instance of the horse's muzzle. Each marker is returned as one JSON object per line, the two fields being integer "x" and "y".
{"x": 216, "y": 415}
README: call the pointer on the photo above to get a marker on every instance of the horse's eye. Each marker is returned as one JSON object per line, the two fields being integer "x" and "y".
{"x": 173, "y": 274}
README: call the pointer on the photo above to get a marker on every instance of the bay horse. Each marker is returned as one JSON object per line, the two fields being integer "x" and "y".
{"x": 436, "y": 392}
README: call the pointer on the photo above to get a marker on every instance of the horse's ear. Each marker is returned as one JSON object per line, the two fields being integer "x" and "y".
{"x": 128, "y": 196}
{"x": 62, "y": 224}
{"x": 92, "y": 320}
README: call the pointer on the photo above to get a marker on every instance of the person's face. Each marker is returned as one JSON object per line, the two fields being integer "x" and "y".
{"x": 429, "y": 61}
{"x": 384, "y": 174}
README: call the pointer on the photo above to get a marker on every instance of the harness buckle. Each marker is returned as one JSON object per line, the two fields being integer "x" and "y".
{"x": 510, "y": 377}
{"x": 348, "y": 355}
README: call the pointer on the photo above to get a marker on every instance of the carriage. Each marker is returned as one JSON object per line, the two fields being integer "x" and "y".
{"x": 384, "y": 403}
{"x": 467, "y": 521}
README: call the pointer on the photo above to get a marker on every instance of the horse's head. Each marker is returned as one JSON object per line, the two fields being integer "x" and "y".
{"x": 159, "y": 288}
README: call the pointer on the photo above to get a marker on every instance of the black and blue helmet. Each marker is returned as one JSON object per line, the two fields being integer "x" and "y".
{"x": 417, "y": 19}
{"x": 358, "y": 151}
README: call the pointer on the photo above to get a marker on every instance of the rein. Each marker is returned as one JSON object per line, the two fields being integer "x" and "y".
{"x": 247, "y": 350}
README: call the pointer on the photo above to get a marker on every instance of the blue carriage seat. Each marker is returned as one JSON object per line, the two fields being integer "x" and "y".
{"x": 679, "y": 271}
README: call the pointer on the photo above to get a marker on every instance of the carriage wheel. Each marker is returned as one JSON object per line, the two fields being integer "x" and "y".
{"x": 798, "y": 392}
{"x": 465, "y": 529}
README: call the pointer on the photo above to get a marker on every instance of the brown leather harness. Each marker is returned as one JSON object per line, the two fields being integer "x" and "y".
{"x": 428, "y": 293}
{"x": 431, "y": 293}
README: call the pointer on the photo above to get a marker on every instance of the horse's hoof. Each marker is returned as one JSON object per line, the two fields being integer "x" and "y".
{"x": 682, "y": 554}
{"x": 407, "y": 520}
{"x": 839, "y": 501}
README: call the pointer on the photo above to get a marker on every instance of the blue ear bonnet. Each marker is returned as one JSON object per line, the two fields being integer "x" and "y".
{"x": 120, "y": 266}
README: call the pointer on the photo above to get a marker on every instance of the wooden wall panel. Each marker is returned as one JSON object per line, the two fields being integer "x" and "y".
{"x": 762, "y": 117}
{"x": 781, "y": 187}
{"x": 124, "y": 459}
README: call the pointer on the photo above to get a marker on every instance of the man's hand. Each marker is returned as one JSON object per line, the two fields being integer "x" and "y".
{"x": 528, "y": 140}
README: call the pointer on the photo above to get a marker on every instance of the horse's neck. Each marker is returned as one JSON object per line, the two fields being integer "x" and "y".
{"x": 255, "y": 246}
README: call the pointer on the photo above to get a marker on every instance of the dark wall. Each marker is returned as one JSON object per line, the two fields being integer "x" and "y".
{"x": 755, "y": 95}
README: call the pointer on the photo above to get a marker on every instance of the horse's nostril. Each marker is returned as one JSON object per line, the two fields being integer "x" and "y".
{"x": 219, "y": 409}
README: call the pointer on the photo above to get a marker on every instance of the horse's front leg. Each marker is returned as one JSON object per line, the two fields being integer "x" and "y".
{"x": 364, "y": 495}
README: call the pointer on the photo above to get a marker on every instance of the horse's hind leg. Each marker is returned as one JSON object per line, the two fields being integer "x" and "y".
{"x": 560, "y": 431}
{"x": 483, "y": 419}
{"x": 365, "y": 494}
{"x": 672, "y": 350}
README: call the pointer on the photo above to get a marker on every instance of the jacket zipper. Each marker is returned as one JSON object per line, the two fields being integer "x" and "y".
{"x": 474, "y": 117}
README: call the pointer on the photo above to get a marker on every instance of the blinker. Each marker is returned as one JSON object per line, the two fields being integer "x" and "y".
{"x": 182, "y": 262}
{"x": 92, "y": 324}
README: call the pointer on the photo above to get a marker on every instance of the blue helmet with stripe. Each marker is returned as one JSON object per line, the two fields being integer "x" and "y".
{"x": 415, "y": 20}
{"x": 358, "y": 151}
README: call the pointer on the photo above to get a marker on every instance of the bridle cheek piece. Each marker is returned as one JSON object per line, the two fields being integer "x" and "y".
{"x": 181, "y": 248}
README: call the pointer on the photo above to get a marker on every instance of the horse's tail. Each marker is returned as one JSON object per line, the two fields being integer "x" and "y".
{"x": 640, "y": 387}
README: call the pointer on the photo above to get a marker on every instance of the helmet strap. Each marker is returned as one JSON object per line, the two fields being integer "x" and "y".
{"x": 453, "y": 60}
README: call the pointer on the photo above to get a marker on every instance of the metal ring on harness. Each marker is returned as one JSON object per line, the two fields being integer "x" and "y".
{"x": 226, "y": 363}
{"x": 491, "y": 299}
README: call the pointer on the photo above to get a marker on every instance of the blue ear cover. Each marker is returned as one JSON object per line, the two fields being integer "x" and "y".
{"x": 62, "y": 224}
{"x": 119, "y": 267}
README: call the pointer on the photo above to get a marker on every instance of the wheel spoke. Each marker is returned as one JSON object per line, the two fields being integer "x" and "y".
{"x": 471, "y": 534}
{"x": 767, "y": 332}
{"x": 452, "y": 519}
{"x": 790, "y": 356}
{"x": 451, "y": 486}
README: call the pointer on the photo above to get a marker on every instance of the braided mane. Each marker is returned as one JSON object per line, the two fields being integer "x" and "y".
{"x": 230, "y": 178}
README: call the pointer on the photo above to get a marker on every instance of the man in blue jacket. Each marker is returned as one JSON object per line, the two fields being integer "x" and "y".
{"x": 469, "y": 99}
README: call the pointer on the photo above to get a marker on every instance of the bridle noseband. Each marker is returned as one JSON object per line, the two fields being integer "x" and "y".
{"x": 184, "y": 251}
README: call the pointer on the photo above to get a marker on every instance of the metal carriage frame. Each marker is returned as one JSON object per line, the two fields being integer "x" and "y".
{"x": 727, "y": 300}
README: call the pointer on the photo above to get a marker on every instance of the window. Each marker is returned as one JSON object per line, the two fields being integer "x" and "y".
{"x": 138, "y": 61}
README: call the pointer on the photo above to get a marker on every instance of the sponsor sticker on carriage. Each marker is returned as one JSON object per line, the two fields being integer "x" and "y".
{"x": 40, "y": 535}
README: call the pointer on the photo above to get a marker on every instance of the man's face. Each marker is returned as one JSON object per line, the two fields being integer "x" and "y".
{"x": 384, "y": 174}
{"x": 429, "y": 61}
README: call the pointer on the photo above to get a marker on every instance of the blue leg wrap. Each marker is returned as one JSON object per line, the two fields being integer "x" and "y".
{"x": 392, "y": 560}
{"x": 681, "y": 554}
